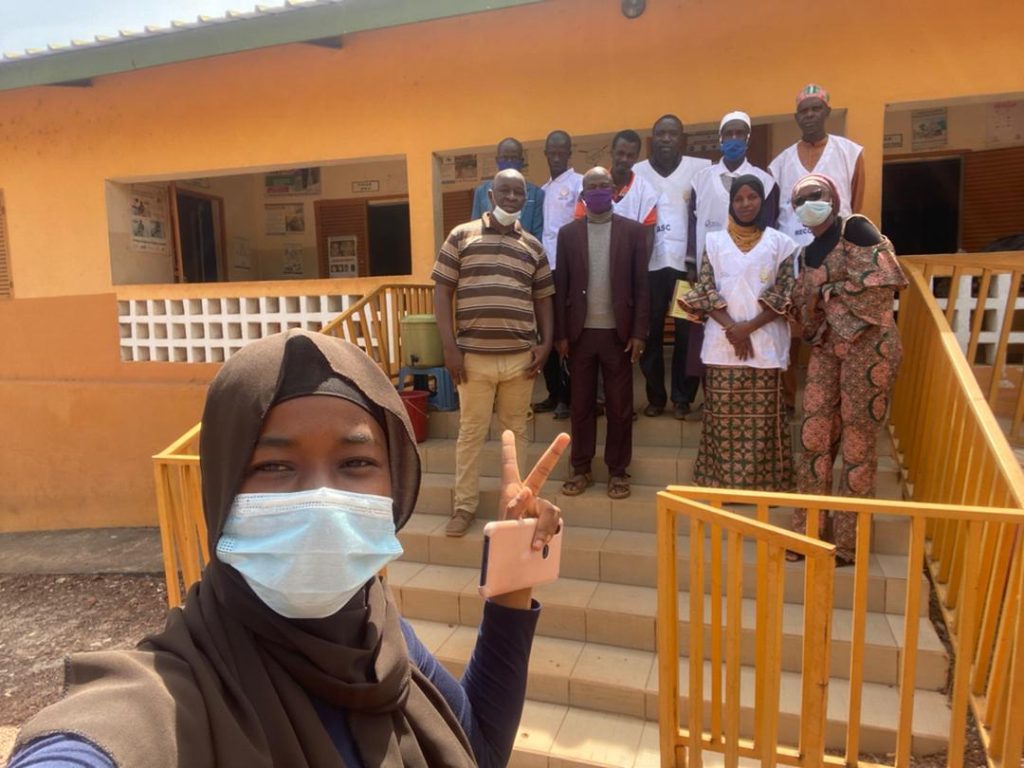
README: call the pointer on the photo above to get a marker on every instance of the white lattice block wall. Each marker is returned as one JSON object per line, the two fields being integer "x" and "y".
{"x": 210, "y": 330}
{"x": 992, "y": 323}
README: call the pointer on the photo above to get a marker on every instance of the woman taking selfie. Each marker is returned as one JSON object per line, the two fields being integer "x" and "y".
{"x": 290, "y": 651}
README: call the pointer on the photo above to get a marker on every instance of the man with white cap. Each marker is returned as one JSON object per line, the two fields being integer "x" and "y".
{"x": 709, "y": 205}
{"x": 709, "y": 211}
{"x": 817, "y": 152}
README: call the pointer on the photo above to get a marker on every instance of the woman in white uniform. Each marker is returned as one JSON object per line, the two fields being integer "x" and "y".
{"x": 743, "y": 293}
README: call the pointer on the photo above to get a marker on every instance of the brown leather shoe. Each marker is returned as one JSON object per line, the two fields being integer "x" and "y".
{"x": 459, "y": 523}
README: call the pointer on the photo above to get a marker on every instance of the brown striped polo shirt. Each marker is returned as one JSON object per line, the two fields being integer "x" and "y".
{"x": 497, "y": 275}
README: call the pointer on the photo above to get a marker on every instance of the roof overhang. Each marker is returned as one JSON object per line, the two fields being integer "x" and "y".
{"x": 318, "y": 22}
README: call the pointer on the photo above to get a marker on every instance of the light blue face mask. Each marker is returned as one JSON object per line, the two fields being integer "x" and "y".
{"x": 814, "y": 212}
{"x": 306, "y": 554}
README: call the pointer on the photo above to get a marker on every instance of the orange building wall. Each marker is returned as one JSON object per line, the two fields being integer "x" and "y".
{"x": 572, "y": 64}
{"x": 77, "y": 426}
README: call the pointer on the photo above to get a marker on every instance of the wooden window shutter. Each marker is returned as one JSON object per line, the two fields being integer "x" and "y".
{"x": 993, "y": 196}
{"x": 335, "y": 218}
{"x": 5, "y": 256}
{"x": 456, "y": 208}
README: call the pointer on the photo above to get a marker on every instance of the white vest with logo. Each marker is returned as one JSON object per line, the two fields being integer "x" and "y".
{"x": 741, "y": 279}
{"x": 675, "y": 191}
{"x": 638, "y": 201}
{"x": 560, "y": 196}
{"x": 713, "y": 198}
{"x": 838, "y": 161}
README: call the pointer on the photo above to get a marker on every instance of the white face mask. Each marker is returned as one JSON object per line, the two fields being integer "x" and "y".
{"x": 505, "y": 218}
{"x": 814, "y": 212}
{"x": 306, "y": 554}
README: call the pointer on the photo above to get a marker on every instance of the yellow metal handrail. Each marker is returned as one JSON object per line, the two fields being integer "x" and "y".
{"x": 772, "y": 541}
{"x": 680, "y": 745}
{"x": 372, "y": 323}
{"x": 983, "y": 271}
{"x": 954, "y": 452}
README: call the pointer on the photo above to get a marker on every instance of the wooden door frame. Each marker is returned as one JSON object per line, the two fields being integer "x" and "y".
{"x": 222, "y": 258}
{"x": 321, "y": 250}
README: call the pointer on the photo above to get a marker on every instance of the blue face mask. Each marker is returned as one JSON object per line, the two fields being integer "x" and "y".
{"x": 505, "y": 164}
{"x": 734, "y": 149}
{"x": 306, "y": 554}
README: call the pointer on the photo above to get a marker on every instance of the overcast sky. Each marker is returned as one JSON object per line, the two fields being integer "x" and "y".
{"x": 34, "y": 23}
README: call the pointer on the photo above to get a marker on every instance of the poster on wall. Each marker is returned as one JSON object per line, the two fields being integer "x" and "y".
{"x": 292, "y": 266}
{"x": 1004, "y": 124}
{"x": 285, "y": 218}
{"x": 241, "y": 255}
{"x": 150, "y": 215}
{"x": 342, "y": 258}
{"x": 455, "y": 168}
{"x": 930, "y": 128}
{"x": 297, "y": 181}
{"x": 703, "y": 142}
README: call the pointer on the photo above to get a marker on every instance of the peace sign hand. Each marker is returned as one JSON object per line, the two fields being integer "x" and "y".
{"x": 521, "y": 498}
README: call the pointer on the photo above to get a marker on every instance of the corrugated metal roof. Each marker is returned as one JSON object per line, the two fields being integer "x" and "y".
{"x": 294, "y": 21}
{"x": 172, "y": 27}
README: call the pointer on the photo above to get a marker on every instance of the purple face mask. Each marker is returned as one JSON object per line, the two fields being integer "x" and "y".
{"x": 598, "y": 199}
{"x": 505, "y": 164}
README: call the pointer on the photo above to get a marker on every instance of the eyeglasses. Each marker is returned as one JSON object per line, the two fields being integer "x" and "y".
{"x": 812, "y": 194}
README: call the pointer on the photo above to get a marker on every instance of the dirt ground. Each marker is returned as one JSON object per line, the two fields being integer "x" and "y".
{"x": 43, "y": 618}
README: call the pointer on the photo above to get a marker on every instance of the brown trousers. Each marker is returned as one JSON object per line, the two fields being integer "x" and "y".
{"x": 599, "y": 348}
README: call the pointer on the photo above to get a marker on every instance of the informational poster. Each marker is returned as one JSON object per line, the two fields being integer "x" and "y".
{"x": 930, "y": 128}
{"x": 342, "y": 256}
{"x": 292, "y": 259}
{"x": 150, "y": 214}
{"x": 892, "y": 141}
{"x": 703, "y": 142}
{"x": 455, "y": 168}
{"x": 241, "y": 255}
{"x": 285, "y": 218}
{"x": 297, "y": 181}
{"x": 1004, "y": 124}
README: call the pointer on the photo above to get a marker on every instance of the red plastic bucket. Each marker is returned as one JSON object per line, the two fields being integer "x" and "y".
{"x": 416, "y": 406}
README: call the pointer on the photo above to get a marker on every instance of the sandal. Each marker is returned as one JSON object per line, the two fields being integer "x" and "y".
{"x": 577, "y": 484}
{"x": 618, "y": 487}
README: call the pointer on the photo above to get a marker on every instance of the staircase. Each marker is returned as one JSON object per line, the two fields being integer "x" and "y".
{"x": 592, "y": 687}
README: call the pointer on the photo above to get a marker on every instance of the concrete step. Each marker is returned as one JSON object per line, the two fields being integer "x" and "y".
{"x": 630, "y": 557}
{"x": 608, "y": 697}
{"x": 664, "y": 430}
{"x": 593, "y": 509}
{"x": 585, "y": 610}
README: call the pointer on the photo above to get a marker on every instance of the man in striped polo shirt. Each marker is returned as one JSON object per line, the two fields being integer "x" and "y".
{"x": 496, "y": 278}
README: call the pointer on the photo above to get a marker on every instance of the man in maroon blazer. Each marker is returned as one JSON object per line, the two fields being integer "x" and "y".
{"x": 601, "y": 321}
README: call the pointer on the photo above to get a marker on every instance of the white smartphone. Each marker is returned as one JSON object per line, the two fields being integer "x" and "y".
{"x": 510, "y": 563}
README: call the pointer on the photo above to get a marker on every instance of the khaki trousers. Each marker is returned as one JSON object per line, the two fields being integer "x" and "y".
{"x": 495, "y": 383}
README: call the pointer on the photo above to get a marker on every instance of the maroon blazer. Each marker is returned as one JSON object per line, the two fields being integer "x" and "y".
{"x": 628, "y": 269}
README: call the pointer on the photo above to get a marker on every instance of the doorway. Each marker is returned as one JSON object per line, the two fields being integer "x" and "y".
{"x": 200, "y": 232}
{"x": 921, "y": 205}
{"x": 390, "y": 246}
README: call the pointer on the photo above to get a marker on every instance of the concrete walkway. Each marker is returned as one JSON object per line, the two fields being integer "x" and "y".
{"x": 91, "y": 550}
{"x": 94, "y": 550}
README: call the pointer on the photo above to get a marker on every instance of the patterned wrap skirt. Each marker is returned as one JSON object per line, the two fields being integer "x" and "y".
{"x": 746, "y": 438}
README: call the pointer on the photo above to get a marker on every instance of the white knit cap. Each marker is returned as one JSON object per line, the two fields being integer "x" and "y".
{"x": 742, "y": 116}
